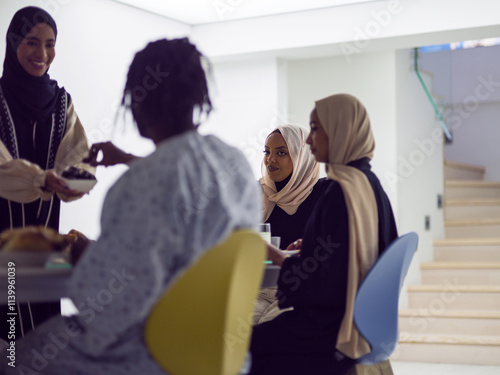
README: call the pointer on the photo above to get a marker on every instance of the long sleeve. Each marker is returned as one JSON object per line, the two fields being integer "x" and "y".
{"x": 163, "y": 213}
{"x": 147, "y": 239}
{"x": 315, "y": 277}
{"x": 20, "y": 180}
{"x": 125, "y": 265}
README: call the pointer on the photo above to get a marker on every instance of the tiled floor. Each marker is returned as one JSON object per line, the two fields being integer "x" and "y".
{"x": 399, "y": 368}
{"x": 414, "y": 368}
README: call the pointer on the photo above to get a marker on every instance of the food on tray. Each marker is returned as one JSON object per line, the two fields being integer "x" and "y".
{"x": 74, "y": 173}
{"x": 33, "y": 238}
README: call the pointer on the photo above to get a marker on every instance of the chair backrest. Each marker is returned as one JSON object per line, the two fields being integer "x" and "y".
{"x": 202, "y": 323}
{"x": 376, "y": 305}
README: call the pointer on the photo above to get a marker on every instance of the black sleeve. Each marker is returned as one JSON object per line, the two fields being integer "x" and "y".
{"x": 319, "y": 275}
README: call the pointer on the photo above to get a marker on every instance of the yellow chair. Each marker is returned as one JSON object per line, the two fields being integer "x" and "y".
{"x": 202, "y": 323}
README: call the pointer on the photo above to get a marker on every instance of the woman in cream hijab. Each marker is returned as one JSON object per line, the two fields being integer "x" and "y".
{"x": 290, "y": 182}
{"x": 350, "y": 225}
{"x": 290, "y": 186}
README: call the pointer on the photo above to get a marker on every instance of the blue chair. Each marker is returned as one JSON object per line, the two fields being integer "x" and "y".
{"x": 376, "y": 305}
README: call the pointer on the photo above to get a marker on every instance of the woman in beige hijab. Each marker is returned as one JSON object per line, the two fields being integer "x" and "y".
{"x": 290, "y": 182}
{"x": 350, "y": 225}
{"x": 290, "y": 185}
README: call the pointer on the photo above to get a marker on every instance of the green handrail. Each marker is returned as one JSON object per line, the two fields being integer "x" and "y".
{"x": 447, "y": 133}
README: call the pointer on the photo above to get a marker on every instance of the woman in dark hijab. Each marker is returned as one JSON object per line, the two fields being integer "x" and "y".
{"x": 40, "y": 136}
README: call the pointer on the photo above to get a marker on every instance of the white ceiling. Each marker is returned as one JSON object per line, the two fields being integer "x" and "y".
{"x": 195, "y": 12}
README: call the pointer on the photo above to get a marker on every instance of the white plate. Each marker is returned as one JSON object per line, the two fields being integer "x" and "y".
{"x": 291, "y": 252}
{"x": 80, "y": 184}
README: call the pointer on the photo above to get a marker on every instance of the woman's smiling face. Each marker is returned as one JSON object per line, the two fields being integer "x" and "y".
{"x": 37, "y": 50}
{"x": 277, "y": 159}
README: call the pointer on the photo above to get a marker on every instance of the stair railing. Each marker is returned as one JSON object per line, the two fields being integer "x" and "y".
{"x": 446, "y": 131}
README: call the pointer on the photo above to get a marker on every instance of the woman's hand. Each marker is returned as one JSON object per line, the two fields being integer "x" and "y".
{"x": 111, "y": 155}
{"x": 297, "y": 245}
{"x": 53, "y": 182}
{"x": 275, "y": 255}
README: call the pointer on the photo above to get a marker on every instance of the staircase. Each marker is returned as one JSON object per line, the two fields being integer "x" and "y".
{"x": 454, "y": 315}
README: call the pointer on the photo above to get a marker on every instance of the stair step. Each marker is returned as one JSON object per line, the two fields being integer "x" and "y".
{"x": 465, "y": 322}
{"x": 451, "y": 296}
{"x": 463, "y": 349}
{"x": 465, "y": 273}
{"x": 451, "y": 339}
{"x": 454, "y": 316}
{"x": 460, "y": 265}
{"x": 462, "y": 171}
{"x": 467, "y": 249}
{"x": 473, "y": 228}
{"x": 458, "y": 288}
{"x": 456, "y": 209}
{"x": 467, "y": 189}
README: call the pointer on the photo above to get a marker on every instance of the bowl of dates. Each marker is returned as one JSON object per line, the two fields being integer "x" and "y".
{"x": 79, "y": 179}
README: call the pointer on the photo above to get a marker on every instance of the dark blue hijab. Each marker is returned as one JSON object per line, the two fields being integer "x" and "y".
{"x": 33, "y": 97}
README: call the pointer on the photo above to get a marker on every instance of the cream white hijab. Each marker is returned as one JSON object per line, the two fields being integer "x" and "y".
{"x": 304, "y": 176}
{"x": 350, "y": 138}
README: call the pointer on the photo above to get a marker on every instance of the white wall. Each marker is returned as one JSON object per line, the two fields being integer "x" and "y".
{"x": 371, "y": 78}
{"x": 260, "y": 88}
{"x": 407, "y": 159}
{"x": 419, "y": 163}
{"x": 92, "y": 63}
{"x": 245, "y": 96}
{"x": 476, "y": 139}
{"x": 470, "y": 81}
{"x": 388, "y": 24}
{"x": 95, "y": 45}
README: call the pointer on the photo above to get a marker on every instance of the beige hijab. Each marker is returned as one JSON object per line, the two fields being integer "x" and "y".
{"x": 304, "y": 176}
{"x": 350, "y": 138}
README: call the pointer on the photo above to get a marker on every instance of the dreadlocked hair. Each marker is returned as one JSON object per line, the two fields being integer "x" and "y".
{"x": 167, "y": 80}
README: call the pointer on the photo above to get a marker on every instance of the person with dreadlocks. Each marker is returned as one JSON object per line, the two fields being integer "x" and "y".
{"x": 157, "y": 219}
{"x": 40, "y": 135}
